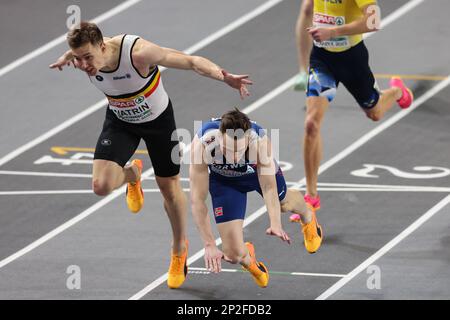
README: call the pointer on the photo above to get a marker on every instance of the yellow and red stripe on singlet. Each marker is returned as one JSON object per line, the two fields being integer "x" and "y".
{"x": 129, "y": 100}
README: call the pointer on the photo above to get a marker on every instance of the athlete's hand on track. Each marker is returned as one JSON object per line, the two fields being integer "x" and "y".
{"x": 61, "y": 62}
{"x": 213, "y": 257}
{"x": 239, "y": 82}
{"x": 320, "y": 34}
{"x": 278, "y": 232}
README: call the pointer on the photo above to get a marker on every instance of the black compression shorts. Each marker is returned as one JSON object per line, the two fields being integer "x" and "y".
{"x": 119, "y": 140}
{"x": 351, "y": 67}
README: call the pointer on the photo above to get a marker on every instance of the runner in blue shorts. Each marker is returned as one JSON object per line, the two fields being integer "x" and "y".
{"x": 239, "y": 156}
{"x": 330, "y": 40}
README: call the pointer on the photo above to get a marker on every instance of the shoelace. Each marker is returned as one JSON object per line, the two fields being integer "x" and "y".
{"x": 309, "y": 230}
{"x": 177, "y": 265}
{"x": 133, "y": 191}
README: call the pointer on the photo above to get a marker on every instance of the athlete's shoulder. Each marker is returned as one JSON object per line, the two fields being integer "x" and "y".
{"x": 258, "y": 129}
{"x": 117, "y": 40}
{"x": 145, "y": 53}
{"x": 208, "y": 126}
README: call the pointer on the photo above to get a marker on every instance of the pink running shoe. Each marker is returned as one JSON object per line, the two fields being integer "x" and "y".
{"x": 407, "y": 98}
{"x": 313, "y": 201}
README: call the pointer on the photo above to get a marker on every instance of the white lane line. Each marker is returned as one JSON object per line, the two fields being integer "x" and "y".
{"x": 233, "y": 25}
{"x": 255, "y": 215}
{"x": 360, "y": 185}
{"x": 57, "y": 41}
{"x": 399, "y": 12}
{"x": 44, "y": 192}
{"x": 59, "y": 174}
{"x": 371, "y": 260}
{"x": 100, "y": 104}
{"x": 329, "y": 275}
{"x": 59, "y": 192}
{"x": 307, "y": 274}
{"x": 156, "y": 190}
{"x": 322, "y": 185}
{"x": 207, "y": 272}
{"x": 45, "y": 174}
{"x": 424, "y": 189}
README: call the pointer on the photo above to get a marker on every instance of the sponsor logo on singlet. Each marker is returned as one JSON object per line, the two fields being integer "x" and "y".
{"x": 327, "y": 21}
{"x": 127, "y": 76}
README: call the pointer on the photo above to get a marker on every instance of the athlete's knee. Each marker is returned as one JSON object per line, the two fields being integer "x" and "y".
{"x": 312, "y": 126}
{"x": 374, "y": 116}
{"x": 286, "y": 206}
{"x": 171, "y": 190}
{"x": 102, "y": 187}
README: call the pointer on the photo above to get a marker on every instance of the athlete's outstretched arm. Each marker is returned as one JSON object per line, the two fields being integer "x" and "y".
{"x": 199, "y": 184}
{"x": 65, "y": 60}
{"x": 266, "y": 176}
{"x": 368, "y": 23}
{"x": 146, "y": 53}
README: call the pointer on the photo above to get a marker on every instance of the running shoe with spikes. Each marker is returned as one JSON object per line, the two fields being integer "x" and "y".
{"x": 257, "y": 269}
{"x": 312, "y": 233}
{"x": 178, "y": 269}
{"x": 407, "y": 98}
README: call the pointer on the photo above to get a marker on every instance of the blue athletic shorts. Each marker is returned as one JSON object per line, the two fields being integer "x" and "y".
{"x": 351, "y": 67}
{"x": 229, "y": 195}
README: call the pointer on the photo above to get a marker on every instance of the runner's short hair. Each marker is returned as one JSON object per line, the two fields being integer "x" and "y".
{"x": 86, "y": 32}
{"x": 235, "y": 120}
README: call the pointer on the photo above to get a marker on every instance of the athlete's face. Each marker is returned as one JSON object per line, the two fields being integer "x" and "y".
{"x": 89, "y": 58}
{"x": 233, "y": 149}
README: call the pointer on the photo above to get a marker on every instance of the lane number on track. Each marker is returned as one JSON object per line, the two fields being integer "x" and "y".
{"x": 422, "y": 172}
